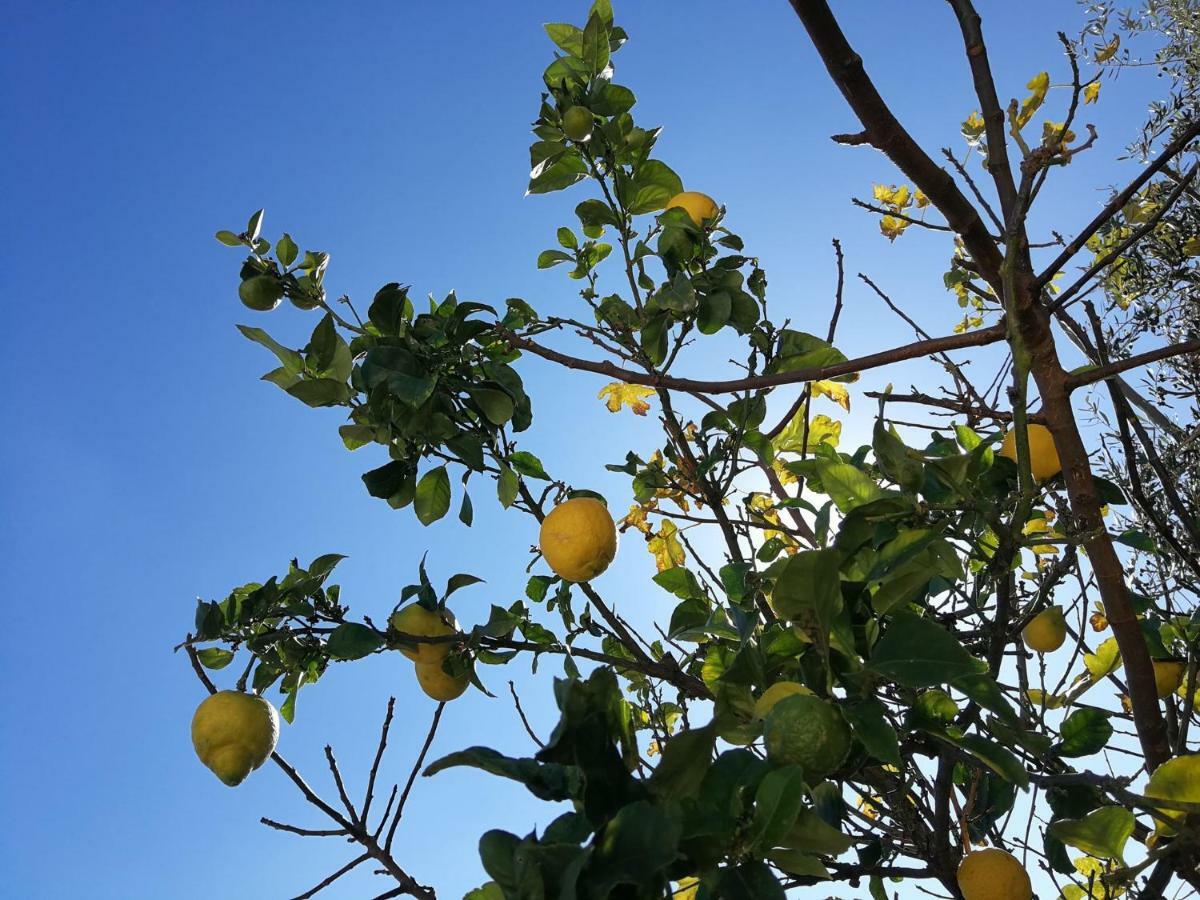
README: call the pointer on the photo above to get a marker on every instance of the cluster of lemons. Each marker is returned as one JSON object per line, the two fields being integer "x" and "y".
{"x": 1047, "y": 631}
{"x": 234, "y": 732}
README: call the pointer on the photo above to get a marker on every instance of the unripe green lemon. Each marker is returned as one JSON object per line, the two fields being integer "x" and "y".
{"x": 776, "y": 692}
{"x": 577, "y": 123}
{"x": 234, "y": 734}
{"x": 808, "y": 732}
{"x": 262, "y": 292}
{"x": 439, "y": 684}
{"x": 993, "y": 874}
{"x": 578, "y": 539}
{"x": 1043, "y": 457}
{"x": 1046, "y": 631}
{"x": 417, "y": 620}
{"x": 699, "y": 207}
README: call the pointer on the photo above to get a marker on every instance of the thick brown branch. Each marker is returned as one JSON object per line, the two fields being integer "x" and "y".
{"x": 884, "y": 132}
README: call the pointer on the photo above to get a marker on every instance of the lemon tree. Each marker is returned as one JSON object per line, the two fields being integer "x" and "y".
{"x": 910, "y": 662}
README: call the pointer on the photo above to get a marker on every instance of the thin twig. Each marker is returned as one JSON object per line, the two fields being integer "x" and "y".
{"x": 520, "y": 712}
{"x": 412, "y": 776}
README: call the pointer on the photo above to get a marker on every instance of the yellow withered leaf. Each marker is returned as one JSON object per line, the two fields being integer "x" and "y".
{"x": 1091, "y": 92}
{"x": 620, "y": 394}
{"x": 834, "y": 391}
{"x": 665, "y": 547}
{"x": 891, "y": 227}
{"x": 896, "y": 197}
{"x": 1109, "y": 50}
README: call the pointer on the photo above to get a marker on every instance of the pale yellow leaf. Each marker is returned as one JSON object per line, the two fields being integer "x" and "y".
{"x": 834, "y": 391}
{"x": 1109, "y": 50}
{"x": 620, "y": 394}
{"x": 1091, "y": 92}
{"x": 665, "y": 547}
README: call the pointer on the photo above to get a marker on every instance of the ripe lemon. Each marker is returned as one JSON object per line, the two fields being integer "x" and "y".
{"x": 1177, "y": 779}
{"x": 416, "y": 619}
{"x": 775, "y": 693}
{"x": 577, "y": 123}
{"x": 807, "y": 732}
{"x": 1043, "y": 457}
{"x": 578, "y": 539}
{"x": 437, "y": 683}
{"x": 234, "y": 733}
{"x": 1168, "y": 676}
{"x": 993, "y": 874}
{"x": 699, "y": 207}
{"x": 1046, "y": 631}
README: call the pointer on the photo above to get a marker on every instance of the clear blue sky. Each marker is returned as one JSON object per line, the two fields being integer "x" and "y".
{"x": 145, "y": 464}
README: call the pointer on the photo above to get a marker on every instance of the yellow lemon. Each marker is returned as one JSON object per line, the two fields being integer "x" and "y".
{"x": 1168, "y": 676}
{"x": 1043, "y": 457}
{"x": 775, "y": 693}
{"x": 1177, "y": 779}
{"x": 234, "y": 734}
{"x": 700, "y": 207}
{"x": 416, "y": 619}
{"x": 577, "y": 123}
{"x": 1046, "y": 631}
{"x": 993, "y": 874}
{"x": 578, "y": 539}
{"x": 439, "y": 684}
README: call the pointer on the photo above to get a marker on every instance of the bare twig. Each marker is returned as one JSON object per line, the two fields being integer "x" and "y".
{"x": 512, "y": 689}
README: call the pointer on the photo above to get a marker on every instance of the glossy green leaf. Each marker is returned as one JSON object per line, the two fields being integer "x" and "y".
{"x": 432, "y": 499}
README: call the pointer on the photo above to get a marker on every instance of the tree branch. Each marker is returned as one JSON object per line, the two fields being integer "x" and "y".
{"x": 885, "y": 133}
{"x": 915, "y": 350}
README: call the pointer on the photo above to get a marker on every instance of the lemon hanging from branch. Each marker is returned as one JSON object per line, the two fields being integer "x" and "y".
{"x": 1046, "y": 631}
{"x": 700, "y": 208}
{"x": 415, "y": 619}
{"x": 1043, "y": 457}
{"x": 578, "y": 539}
{"x": 234, "y": 734}
{"x": 993, "y": 874}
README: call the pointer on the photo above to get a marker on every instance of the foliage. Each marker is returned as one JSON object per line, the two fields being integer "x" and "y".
{"x": 892, "y": 580}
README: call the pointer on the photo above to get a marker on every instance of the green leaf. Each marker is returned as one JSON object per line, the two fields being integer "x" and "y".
{"x": 654, "y": 183}
{"x": 917, "y": 652}
{"x": 433, "y": 495}
{"x": 215, "y": 657}
{"x": 1084, "y": 732}
{"x": 596, "y": 212}
{"x": 634, "y": 847}
{"x": 546, "y": 781}
{"x": 752, "y": 880}
{"x": 848, "y": 486}
{"x": 568, "y": 38}
{"x": 1101, "y": 834}
{"x": 714, "y": 312}
{"x": 1139, "y": 540}
{"x": 997, "y": 758}
{"x": 794, "y": 862}
{"x": 391, "y": 482}
{"x": 353, "y": 641}
{"x": 680, "y": 582}
{"x": 549, "y": 258}
{"x": 778, "y": 801}
{"x": 895, "y": 461}
{"x": 870, "y": 725}
{"x": 507, "y": 486}
{"x": 808, "y": 591}
{"x": 254, "y": 226}
{"x": 798, "y": 350}
{"x": 488, "y": 891}
{"x": 497, "y": 406}
{"x": 612, "y": 100}
{"x": 466, "y": 513}
{"x": 595, "y": 47}
{"x": 812, "y": 834}
{"x": 528, "y": 465}
{"x": 293, "y": 362}
{"x": 286, "y": 250}
{"x": 686, "y": 759}
{"x": 229, "y": 239}
{"x": 320, "y": 391}
{"x": 982, "y": 688}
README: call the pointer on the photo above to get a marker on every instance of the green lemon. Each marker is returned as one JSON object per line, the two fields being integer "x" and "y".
{"x": 808, "y": 732}
{"x": 577, "y": 123}
{"x": 262, "y": 292}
